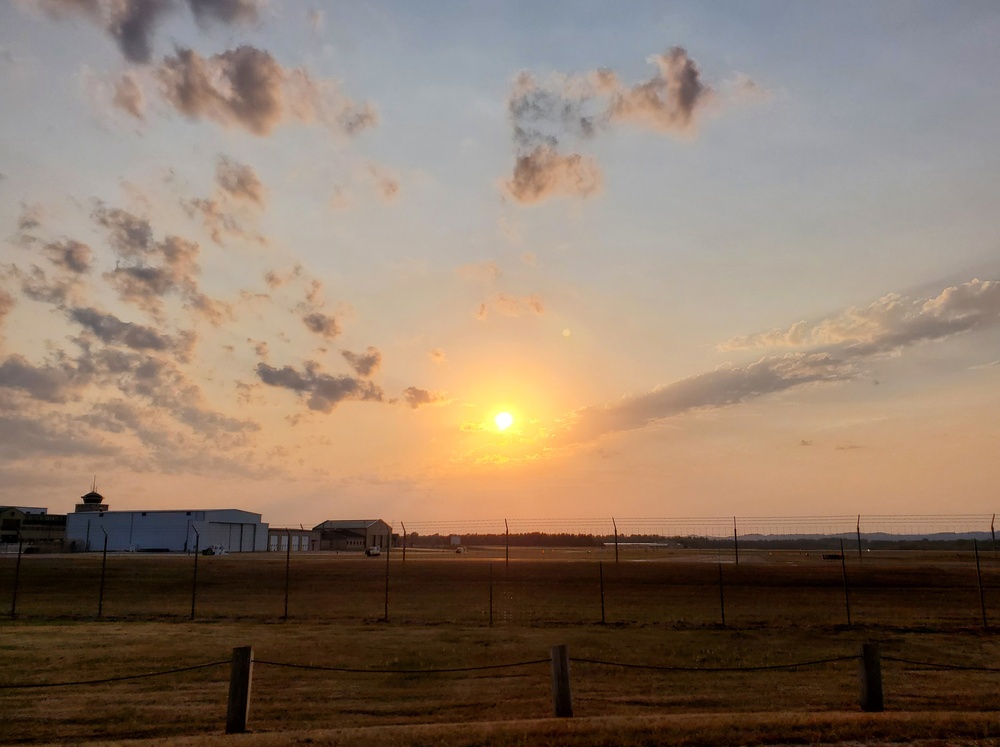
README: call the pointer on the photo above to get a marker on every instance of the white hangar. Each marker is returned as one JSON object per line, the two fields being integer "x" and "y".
{"x": 163, "y": 531}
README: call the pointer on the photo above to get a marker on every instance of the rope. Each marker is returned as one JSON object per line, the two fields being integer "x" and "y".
{"x": 714, "y": 669}
{"x": 959, "y": 667}
{"x": 401, "y": 671}
{"x": 21, "y": 686}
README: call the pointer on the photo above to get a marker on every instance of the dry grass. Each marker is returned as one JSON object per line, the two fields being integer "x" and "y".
{"x": 780, "y": 610}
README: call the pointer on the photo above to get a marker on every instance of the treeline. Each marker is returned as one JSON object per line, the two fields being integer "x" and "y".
{"x": 565, "y": 539}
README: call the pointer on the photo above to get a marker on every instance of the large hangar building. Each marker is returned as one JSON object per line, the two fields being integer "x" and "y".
{"x": 162, "y": 531}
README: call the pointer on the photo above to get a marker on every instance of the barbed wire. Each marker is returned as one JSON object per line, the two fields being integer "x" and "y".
{"x": 448, "y": 670}
{"x": 673, "y": 668}
{"x": 34, "y": 685}
{"x": 957, "y": 667}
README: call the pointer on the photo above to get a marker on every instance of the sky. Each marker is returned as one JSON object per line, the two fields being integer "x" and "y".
{"x": 737, "y": 258}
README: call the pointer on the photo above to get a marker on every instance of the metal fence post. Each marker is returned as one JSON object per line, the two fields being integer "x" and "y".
{"x": 562, "y": 699}
{"x": 870, "y": 678}
{"x": 240, "y": 676}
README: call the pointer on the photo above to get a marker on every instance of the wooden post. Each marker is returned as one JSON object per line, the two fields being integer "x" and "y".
{"x": 979, "y": 575}
{"x": 615, "y": 525}
{"x": 104, "y": 564}
{"x": 288, "y": 568}
{"x": 861, "y": 557}
{"x": 194, "y": 577}
{"x": 736, "y": 543}
{"x": 600, "y": 566}
{"x": 562, "y": 699}
{"x": 993, "y": 532}
{"x": 506, "y": 529}
{"x": 722, "y": 597}
{"x": 388, "y": 548}
{"x": 17, "y": 576}
{"x": 870, "y": 679}
{"x": 240, "y": 677}
{"x": 847, "y": 595}
{"x": 404, "y": 541}
{"x": 491, "y": 595}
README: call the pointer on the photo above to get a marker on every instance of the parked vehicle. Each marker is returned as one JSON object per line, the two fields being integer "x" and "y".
{"x": 214, "y": 550}
{"x": 373, "y": 551}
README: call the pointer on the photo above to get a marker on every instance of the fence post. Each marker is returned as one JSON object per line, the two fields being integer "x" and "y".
{"x": 491, "y": 595}
{"x": 404, "y": 541}
{"x": 736, "y": 543}
{"x": 239, "y": 690}
{"x": 722, "y": 597}
{"x": 288, "y": 568}
{"x": 982, "y": 595}
{"x": 870, "y": 678}
{"x": 600, "y": 566}
{"x": 17, "y": 576}
{"x": 847, "y": 594}
{"x": 562, "y": 699}
{"x": 194, "y": 576}
{"x": 388, "y": 549}
{"x": 861, "y": 557}
{"x": 615, "y": 525}
{"x": 104, "y": 564}
{"x": 506, "y": 534}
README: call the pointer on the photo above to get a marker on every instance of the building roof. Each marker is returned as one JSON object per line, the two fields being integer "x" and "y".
{"x": 348, "y": 523}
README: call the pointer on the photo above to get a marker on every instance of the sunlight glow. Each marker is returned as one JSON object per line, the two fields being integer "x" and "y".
{"x": 504, "y": 420}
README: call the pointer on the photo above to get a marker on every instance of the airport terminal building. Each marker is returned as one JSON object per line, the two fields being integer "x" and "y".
{"x": 162, "y": 531}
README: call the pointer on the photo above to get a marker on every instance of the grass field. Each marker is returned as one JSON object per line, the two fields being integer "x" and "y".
{"x": 665, "y": 610}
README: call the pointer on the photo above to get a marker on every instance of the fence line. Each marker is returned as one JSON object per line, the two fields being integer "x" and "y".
{"x": 761, "y": 668}
{"x": 25, "y": 686}
{"x": 402, "y": 671}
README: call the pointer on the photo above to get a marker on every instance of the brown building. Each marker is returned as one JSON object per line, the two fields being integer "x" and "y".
{"x": 354, "y": 534}
{"x": 35, "y": 527}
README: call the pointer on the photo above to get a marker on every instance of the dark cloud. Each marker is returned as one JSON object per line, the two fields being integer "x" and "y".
{"x": 71, "y": 255}
{"x": 364, "y": 364}
{"x": 110, "y": 329}
{"x": 225, "y": 11}
{"x": 148, "y": 269}
{"x": 132, "y": 24}
{"x": 239, "y": 180}
{"x": 543, "y": 173}
{"x": 219, "y": 221}
{"x": 52, "y": 382}
{"x": 48, "y": 435}
{"x": 30, "y": 218}
{"x": 6, "y": 304}
{"x": 322, "y": 324}
{"x": 324, "y": 391}
{"x": 416, "y": 397}
{"x": 246, "y": 87}
{"x": 37, "y": 285}
{"x": 547, "y": 116}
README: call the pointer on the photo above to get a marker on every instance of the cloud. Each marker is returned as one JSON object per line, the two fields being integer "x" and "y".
{"x": 128, "y": 96}
{"x": 71, "y": 255}
{"x": 239, "y": 181}
{"x": 842, "y": 344}
{"x": 30, "y": 218}
{"x": 149, "y": 270}
{"x": 51, "y": 382}
{"x": 246, "y": 87}
{"x": 481, "y": 272}
{"x": 546, "y": 115}
{"x": 322, "y": 324}
{"x": 110, "y": 329}
{"x": 364, "y": 364}
{"x": 543, "y": 173}
{"x": 416, "y": 397}
{"x": 719, "y": 388}
{"x": 324, "y": 391}
{"x": 438, "y": 356}
{"x": 890, "y": 322}
{"x": 512, "y": 306}
{"x": 225, "y": 11}
{"x": 133, "y": 23}
{"x": 6, "y": 304}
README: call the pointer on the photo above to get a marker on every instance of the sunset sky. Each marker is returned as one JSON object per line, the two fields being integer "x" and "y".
{"x": 294, "y": 258}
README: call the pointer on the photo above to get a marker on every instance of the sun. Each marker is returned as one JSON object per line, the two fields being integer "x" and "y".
{"x": 504, "y": 420}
